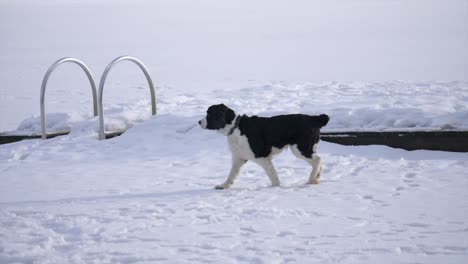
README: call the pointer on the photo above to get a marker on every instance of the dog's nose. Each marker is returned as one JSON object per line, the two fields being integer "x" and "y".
{"x": 199, "y": 122}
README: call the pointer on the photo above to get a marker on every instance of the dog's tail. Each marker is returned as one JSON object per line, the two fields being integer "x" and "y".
{"x": 320, "y": 120}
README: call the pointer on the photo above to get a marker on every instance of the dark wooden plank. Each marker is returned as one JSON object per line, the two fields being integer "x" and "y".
{"x": 456, "y": 141}
{"x": 6, "y": 138}
{"x": 114, "y": 134}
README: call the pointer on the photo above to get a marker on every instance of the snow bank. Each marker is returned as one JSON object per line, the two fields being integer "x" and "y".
{"x": 389, "y": 106}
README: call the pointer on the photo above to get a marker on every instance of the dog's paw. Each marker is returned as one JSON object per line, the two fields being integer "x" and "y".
{"x": 221, "y": 187}
{"x": 314, "y": 181}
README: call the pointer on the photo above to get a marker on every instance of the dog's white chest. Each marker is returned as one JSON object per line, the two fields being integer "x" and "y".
{"x": 239, "y": 146}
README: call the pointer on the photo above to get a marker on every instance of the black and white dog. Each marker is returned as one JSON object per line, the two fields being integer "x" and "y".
{"x": 260, "y": 138}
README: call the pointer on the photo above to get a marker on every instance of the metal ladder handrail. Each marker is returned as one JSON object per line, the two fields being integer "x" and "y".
{"x": 102, "y": 134}
{"x": 44, "y": 84}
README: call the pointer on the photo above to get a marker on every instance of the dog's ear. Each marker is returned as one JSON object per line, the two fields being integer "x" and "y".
{"x": 223, "y": 107}
{"x": 230, "y": 115}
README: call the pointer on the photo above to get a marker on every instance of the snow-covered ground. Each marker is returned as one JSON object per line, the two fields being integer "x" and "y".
{"x": 147, "y": 196}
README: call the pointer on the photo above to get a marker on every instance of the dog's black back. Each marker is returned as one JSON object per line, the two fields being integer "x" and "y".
{"x": 263, "y": 133}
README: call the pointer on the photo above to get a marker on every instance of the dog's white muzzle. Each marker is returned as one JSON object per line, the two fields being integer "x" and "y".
{"x": 202, "y": 123}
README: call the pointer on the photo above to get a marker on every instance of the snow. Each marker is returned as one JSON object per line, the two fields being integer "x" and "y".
{"x": 148, "y": 196}
{"x": 358, "y": 106}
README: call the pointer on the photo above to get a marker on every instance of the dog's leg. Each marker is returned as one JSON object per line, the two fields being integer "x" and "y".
{"x": 316, "y": 163}
{"x": 236, "y": 165}
{"x": 270, "y": 170}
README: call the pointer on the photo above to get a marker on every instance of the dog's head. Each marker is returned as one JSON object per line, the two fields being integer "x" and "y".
{"x": 217, "y": 117}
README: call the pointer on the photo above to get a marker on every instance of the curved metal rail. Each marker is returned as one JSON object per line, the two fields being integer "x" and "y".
{"x": 44, "y": 84}
{"x": 102, "y": 134}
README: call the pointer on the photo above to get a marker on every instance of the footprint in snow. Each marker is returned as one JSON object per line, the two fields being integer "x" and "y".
{"x": 20, "y": 156}
{"x": 398, "y": 190}
{"x": 418, "y": 225}
{"x": 248, "y": 229}
{"x": 408, "y": 177}
{"x": 285, "y": 234}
